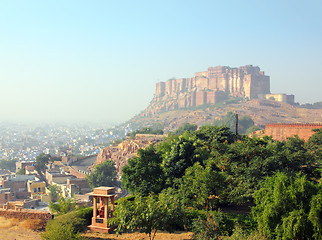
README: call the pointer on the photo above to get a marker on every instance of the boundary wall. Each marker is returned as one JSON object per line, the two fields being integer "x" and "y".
{"x": 23, "y": 214}
{"x": 281, "y": 131}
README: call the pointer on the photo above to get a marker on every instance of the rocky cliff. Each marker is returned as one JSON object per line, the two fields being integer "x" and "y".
{"x": 127, "y": 149}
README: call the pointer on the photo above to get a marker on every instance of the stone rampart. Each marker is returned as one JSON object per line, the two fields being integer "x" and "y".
{"x": 281, "y": 131}
{"x": 75, "y": 172}
{"x": 209, "y": 88}
{"x": 26, "y": 214}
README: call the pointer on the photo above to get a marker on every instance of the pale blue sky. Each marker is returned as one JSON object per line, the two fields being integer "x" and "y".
{"x": 99, "y": 60}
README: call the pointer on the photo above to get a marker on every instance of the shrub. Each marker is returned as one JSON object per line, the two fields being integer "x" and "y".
{"x": 215, "y": 226}
{"x": 68, "y": 226}
{"x": 192, "y": 215}
{"x": 33, "y": 224}
{"x": 241, "y": 234}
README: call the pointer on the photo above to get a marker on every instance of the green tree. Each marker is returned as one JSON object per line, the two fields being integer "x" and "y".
{"x": 200, "y": 187}
{"x": 244, "y": 122}
{"x": 143, "y": 174}
{"x": 183, "y": 153}
{"x": 212, "y": 228}
{"x": 212, "y": 135}
{"x": 54, "y": 192}
{"x": 252, "y": 129}
{"x": 103, "y": 175}
{"x": 288, "y": 208}
{"x": 314, "y": 144}
{"x": 63, "y": 206}
{"x": 22, "y": 171}
{"x": 8, "y": 164}
{"x": 41, "y": 161}
{"x": 186, "y": 127}
{"x": 149, "y": 214}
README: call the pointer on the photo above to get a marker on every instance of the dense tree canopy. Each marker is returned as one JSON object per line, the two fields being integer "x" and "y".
{"x": 103, "y": 175}
{"x": 215, "y": 160}
{"x": 289, "y": 208}
{"x": 143, "y": 174}
{"x": 212, "y": 168}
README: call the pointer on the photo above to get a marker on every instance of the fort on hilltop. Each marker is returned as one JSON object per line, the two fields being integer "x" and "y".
{"x": 212, "y": 86}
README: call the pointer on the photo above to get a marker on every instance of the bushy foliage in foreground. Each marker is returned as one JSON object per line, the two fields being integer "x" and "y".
{"x": 212, "y": 167}
{"x": 289, "y": 208}
{"x": 68, "y": 226}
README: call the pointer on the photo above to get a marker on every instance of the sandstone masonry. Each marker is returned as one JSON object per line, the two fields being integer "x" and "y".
{"x": 212, "y": 86}
{"x": 281, "y": 131}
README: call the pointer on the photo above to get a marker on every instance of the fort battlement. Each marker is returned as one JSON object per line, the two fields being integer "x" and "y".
{"x": 281, "y": 131}
{"x": 213, "y": 86}
{"x": 295, "y": 125}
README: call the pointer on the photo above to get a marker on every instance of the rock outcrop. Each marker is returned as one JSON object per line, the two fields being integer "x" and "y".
{"x": 127, "y": 149}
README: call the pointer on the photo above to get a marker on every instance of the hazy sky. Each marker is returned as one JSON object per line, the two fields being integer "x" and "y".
{"x": 99, "y": 60}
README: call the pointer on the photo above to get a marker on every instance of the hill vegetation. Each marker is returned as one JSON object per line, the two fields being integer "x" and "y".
{"x": 213, "y": 168}
{"x": 260, "y": 111}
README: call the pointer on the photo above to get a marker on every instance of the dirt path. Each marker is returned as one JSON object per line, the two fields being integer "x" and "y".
{"x": 13, "y": 229}
{"x": 139, "y": 236}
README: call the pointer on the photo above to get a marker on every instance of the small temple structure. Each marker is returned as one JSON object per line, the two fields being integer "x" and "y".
{"x": 102, "y": 196}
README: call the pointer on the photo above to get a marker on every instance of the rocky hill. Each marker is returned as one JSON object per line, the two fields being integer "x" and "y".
{"x": 211, "y": 94}
{"x": 127, "y": 149}
{"x": 261, "y": 111}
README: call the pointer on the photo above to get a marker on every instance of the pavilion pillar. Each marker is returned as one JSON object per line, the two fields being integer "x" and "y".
{"x": 106, "y": 208}
{"x": 94, "y": 206}
{"x": 112, "y": 205}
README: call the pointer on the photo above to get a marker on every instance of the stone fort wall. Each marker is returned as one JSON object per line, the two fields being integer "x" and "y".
{"x": 210, "y": 87}
{"x": 281, "y": 131}
{"x": 24, "y": 214}
{"x": 247, "y": 81}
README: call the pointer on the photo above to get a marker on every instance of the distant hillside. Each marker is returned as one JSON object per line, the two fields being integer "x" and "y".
{"x": 261, "y": 111}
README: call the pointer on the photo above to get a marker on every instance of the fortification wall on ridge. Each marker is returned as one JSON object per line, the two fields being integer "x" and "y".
{"x": 281, "y": 131}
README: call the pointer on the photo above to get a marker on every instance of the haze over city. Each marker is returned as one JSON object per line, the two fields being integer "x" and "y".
{"x": 100, "y": 60}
